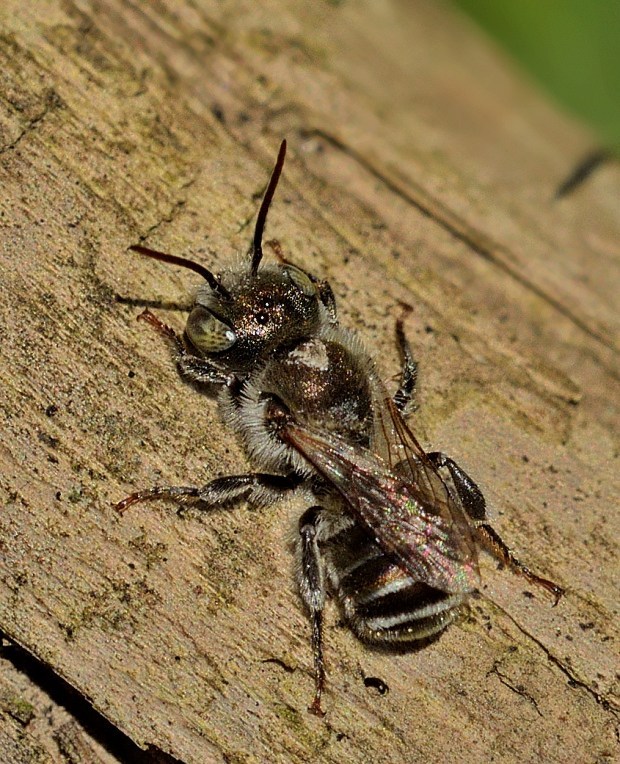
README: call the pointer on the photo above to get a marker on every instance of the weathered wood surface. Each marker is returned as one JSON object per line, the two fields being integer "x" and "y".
{"x": 421, "y": 169}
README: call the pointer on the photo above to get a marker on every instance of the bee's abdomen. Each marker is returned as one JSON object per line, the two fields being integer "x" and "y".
{"x": 381, "y": 600}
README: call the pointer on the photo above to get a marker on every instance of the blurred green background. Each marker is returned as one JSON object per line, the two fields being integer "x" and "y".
{"x": 572, "y": 47}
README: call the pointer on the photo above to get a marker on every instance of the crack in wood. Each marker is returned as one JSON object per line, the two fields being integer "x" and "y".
{"x": 51, "y": 102}
{"x": 478, "y": 242}
{"x": 85, "y": 716}
{"x": 518, "y": 689}
{"x": 573, "y": 680}
{"x": 174, "y": 211}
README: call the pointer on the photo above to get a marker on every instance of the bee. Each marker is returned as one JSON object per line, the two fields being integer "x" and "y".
{"x": 391, "y": 531}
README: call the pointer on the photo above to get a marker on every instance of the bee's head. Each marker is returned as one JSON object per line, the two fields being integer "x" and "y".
{"x": 240, "y": 321}
{"x": 276, "y": 306}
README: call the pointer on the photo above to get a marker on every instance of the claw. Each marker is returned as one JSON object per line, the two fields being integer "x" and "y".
{"x": 315, "y": 706}
{"x": 170, "y": 492}
{"x": 156, "y": 323}
{"x": 122, "y": 506}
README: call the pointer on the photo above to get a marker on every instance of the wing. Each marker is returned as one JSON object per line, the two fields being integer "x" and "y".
{"x": 400, "y": 499}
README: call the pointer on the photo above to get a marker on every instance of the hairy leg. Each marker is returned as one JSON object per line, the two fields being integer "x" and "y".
{"x": 311, "y": 576}
{"x": 258, "y": 488}
{"x": 472, "y": 500}
{"x": 404, "y": 397}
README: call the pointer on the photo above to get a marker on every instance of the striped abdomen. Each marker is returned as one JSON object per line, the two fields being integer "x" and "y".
{"x": 381, "y": 601}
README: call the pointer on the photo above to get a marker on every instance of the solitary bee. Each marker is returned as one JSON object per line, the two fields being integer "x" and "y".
{"x": 391, "y": 531}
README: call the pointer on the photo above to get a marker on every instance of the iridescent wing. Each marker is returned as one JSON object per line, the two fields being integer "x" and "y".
{"x": 397, "y": 494}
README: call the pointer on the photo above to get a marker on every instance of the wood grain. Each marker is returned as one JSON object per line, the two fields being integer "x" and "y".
{"x": 422, "y": 169}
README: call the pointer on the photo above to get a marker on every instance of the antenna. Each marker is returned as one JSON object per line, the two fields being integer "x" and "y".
{"x": 211, "y": 280}
{"x": 257, "y": 245}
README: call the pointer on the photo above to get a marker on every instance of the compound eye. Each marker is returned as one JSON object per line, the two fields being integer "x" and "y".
{"x": 301, "y": 280}
{"x": 207, "y": 333}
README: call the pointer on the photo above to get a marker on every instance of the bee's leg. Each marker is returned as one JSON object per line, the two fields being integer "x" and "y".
{"x": 471, "y": 498}
{"x": 276, "y": 248}
{"x": 311, "y": 577}
{"x": 190, "y": 366}
{"x": 259, "y": 489}
{"x": 497, "y": 546}
{"x": 326, "y": 296}
{"x": 404, "y": 397}
{"x": 198, "y": 369}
